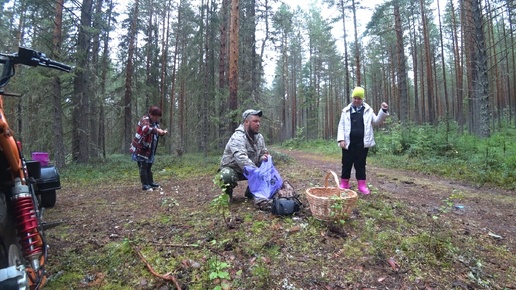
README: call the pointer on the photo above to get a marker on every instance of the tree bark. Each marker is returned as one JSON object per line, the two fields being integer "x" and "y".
{"x": 458, "y": 112}
{"x": 171, "y": 116}
{"x": 347, "y": 88}
{"x": 445, "y": 86}
{"x": 357, "y": 46}
{"x": 477, "y": 64}
{"x": 128, "y": 122}
{"x": 105, "y": 67}
{"x": 233, "y": 61}
{"x": 57, "y": 39}
{"x": 401, "y": 68}
{"x": 81, "y": 98}
{"x": 428, "y": 67}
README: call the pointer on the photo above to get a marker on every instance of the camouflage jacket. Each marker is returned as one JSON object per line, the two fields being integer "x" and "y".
{"x": 242, "y": 150}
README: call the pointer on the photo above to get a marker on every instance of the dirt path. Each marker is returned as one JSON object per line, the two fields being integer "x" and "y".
{"x": 484, "y": 211}
{"x": 98, "y": 218}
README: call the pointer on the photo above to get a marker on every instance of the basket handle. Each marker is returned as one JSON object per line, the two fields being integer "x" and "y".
{"x": 330, "y": 172}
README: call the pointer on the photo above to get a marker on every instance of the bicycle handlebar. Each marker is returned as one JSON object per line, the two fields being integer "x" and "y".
{"x": 34, "y": 58}
{"x": 28, "y": 57}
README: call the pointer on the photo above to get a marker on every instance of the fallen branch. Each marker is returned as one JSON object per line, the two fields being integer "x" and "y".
{"x": 166, "y": 277}
{"x": 175, "y": 245}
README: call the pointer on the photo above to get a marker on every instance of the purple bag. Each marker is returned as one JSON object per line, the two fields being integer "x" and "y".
{"x": 263, "y": 181}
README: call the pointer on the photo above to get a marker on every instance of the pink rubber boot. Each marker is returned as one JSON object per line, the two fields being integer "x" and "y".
{"x": 362, "y": 187}
{"x": 344, "y": 183}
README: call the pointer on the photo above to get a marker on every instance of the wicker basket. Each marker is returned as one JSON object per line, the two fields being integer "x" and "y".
{"x": 321, "y": 200}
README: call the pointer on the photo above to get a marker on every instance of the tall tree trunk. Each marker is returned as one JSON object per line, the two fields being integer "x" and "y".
{"x": 128, "y": 122}
{"x": 171, "y": 116}
{"x": 80, "y": 100}
{"x": 477, "y": 63}
{"x": 357, "y": 45}
{"x": 446, "y": 100}
{"x": 255, "y": 71}
{"x": 224, "y": 24}
{"x": 293, "y": 100}
{"x": 94, "y": 119}
{"x": 233, "y": 60}
{"x": 511, "y": 7}
{"x": 223, "y": 42}
{"x": 19, "y": 36}
{"x": 505, "y": 86}
{"x": 401, "y": 68}
{"x": 417, "y": 107}
{"x": 205, "y": 72}
{"x": 428, "y": 66}
{"x": 422, "y": 91}
{"x": 164, "y": 58}
{"x": 285, "y": 83}
{"x": 181, "y": 100}
{"x": 347, "y": 88}
{"x": 57, "y": 39}
{"x": 149, "y": 61}
{"x": 103, "y": 79}
{"x": 468, "y": 46}
{"x": 494, "y": 78}
{"x": 266, "y": 36}
{"x": 458, "y": 112}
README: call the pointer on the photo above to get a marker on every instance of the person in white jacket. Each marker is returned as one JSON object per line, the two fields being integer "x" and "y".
{"x": 355, "y": 136}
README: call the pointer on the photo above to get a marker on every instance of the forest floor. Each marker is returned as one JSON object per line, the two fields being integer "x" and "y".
{"x": 471, "y": 235}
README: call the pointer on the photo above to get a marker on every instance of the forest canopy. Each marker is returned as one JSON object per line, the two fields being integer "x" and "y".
{"x": 203, "y": 62}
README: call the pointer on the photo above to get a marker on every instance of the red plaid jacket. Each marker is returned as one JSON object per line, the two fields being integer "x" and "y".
{"x": 142, "y": 141}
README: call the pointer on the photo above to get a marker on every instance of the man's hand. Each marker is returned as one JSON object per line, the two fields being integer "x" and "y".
{"x": 265, "y": 157}
{"x": 342, "y": 144}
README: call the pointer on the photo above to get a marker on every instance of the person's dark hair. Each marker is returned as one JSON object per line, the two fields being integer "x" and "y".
{"x": 155, "y": 111}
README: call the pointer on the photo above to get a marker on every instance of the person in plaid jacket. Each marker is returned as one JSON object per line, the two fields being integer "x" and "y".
{"x": 144, "y": 145}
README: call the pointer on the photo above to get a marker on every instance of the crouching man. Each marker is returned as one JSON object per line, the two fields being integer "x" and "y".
{"x": 246, "y": 147}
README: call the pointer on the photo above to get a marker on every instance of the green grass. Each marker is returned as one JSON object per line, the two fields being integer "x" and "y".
{"x": 119, "y": 168}
{"x": 252, "y": 253}
{"x": 435, "y": 150}
{"x": 426, "y": 246}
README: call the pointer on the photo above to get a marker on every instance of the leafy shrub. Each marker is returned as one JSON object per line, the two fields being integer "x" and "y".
{"x": 441, "y": 149}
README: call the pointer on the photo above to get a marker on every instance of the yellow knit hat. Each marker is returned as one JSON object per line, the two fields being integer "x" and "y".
{"x": 358, "y": 92}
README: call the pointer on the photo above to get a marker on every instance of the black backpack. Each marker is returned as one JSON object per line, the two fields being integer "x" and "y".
{"x": 286, "y": 201}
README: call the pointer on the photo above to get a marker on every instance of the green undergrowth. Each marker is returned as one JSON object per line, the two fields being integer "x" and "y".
{"x": 217, "y": 245}
{"x": 119, "y": 168}
{"x": 262, "y": 251}
{"x": 266, "y": 252}
{"x": 437, "y": 150}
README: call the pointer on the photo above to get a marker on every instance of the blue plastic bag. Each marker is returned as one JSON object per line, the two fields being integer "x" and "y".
{"x": 263, "y": 181}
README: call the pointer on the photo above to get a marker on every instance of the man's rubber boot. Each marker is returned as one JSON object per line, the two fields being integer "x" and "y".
{"x": 248, "y": 193}
{"x": 151, "y": 181}
{"x": 229, "y": 191}
{"x": 344, "y": 183}
{"x": 362, "y": 187}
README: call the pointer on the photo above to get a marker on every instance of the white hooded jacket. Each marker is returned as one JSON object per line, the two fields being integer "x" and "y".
{"x": 370, "y": 119}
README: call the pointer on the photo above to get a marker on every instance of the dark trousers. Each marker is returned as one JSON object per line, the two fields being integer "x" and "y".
{"x": 354, "y": 157}
{"x": 145, "y": 172}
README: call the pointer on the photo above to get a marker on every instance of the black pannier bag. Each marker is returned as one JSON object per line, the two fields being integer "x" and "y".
{"x": 46, "y": 186}
{"x": 286, "y": 201}
{"x": 34, "y": 168}
{"x": 49, "y": 179}
{"x": 284, "y": 206}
